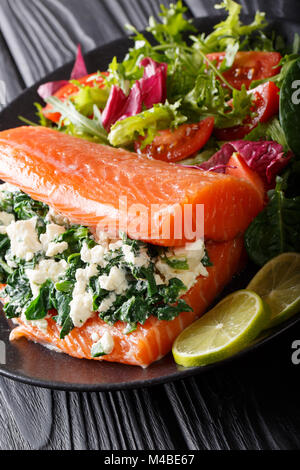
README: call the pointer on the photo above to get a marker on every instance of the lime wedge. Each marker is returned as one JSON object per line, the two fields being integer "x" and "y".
{"x": 230, "y": 326}
{"x": 278, "y": 283}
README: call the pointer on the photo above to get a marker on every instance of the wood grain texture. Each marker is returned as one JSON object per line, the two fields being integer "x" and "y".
{"x": 252, "y": 404}
{"x": 41, "y": 36}
{"x": 288, "y": 9}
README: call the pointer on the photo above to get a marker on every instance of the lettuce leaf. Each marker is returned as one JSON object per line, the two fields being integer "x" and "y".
{"x": 276, "y": 229}
{"x": 161, "y": 116}
{"x": 270, "y": 130}
{"x": 173, "y": 25}
{"x": 77, "y": 123}
{"x": 229, "y": 34}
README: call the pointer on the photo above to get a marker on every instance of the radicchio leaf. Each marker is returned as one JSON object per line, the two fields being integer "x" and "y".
{"x": 154, "y": 82}
{"x": 79, "y": 70}
{"x": 267, "y": 158}
{"x": 114, "y": 106}
{"x": 133, "y": 103}
{"x": 149, "y": 90}
{"x": 49, "y": 89}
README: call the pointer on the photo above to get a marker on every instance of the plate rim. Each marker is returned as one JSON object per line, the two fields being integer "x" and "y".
{"x": 137, "y": 384}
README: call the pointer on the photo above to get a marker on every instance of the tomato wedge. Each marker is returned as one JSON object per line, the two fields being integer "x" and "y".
{"x": 236, "y": 166}
{"x": 173, "y": 146}
{"x": 266, "y": 105}
{"x": 248, "y": 66}
{"x": 69, "y": 90}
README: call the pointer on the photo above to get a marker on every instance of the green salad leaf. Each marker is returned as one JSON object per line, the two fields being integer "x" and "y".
{"x": 270, "y": 130}
{"x": 209, "y": 98}
{"x": 173, "y": 24}
{"x": 161, "y": 116}
{"x": 289, "y": 110}
{"x": 87, "y": 97}
{"x": 276, "y": 229}
{"x": 78, "y": 123}
{"x": 228, "y": 35}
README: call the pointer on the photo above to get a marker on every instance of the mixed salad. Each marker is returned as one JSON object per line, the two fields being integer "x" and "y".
{"x": 194, "y": 99}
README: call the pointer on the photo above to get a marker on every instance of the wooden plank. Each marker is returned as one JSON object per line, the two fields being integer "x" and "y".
{"x": 11, "y": 82}
{"x": 42, "y": 36}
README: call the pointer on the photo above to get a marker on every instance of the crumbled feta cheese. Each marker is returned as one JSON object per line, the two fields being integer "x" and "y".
{"x": 115, "y": 245}
{"x": 81, "y": 308}
{"x": 191, "y": 250}
{"x": 23, "y": 237}
{"x": 49, "y": 246}
{"x": 106, "y": 343}
{"x": 5, "y": 220}
{"x": 46, "y": 269}
{"x": 114, "y": 281}
{"x": 94, "y": 255}
{"x": 81, "y": 305}
{"x": 193, "y": 253}
{"x": 107, "y": 302}
{"x": 56, "y": 248}
{"x": 139, "y": 260}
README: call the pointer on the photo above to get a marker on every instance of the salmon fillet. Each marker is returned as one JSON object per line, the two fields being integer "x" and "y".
{"x": 84, "y": 181}
{"x": 154, "y": 339}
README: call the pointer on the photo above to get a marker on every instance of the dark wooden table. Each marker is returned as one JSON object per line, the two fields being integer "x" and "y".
{"x": 250, "y": 404}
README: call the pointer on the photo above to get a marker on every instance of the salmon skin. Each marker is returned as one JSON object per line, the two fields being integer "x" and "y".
{"x": 154, "y": 339}
{"x": 86, "y": 181}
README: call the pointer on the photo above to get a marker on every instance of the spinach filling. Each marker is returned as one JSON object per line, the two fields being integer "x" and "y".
{"x": 142, "y": 298}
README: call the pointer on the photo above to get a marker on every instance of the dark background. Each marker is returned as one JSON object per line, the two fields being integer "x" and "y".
{"x": 250, "y": 404}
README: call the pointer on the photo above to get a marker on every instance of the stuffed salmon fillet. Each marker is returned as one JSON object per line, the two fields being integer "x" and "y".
{"x": 154, "y": 339}
{"x": 97, "y": 185}
{"x": 88, "y": 294}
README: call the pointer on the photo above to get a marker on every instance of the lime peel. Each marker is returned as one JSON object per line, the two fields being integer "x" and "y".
{"x": 278, "y": 283}
{"x": 226, "y": 329}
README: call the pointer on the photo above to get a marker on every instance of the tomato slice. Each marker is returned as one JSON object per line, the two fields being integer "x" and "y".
{"x": 173, "y": 146}
{"x": 248, "y": 66}
{"x": 70, "y": 89}
{"x": 266, "y": 105}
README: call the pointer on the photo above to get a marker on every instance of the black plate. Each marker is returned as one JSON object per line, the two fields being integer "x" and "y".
{"x": 33, "y": 364}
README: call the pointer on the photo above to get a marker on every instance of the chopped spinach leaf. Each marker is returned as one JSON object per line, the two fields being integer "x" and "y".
{"x": 39, "y": 307}
{"x": 26, "y": 208}
{"x": 205, "y": 260}
{"x": 18, "y": 291}
{"x": 176, "y": 263}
